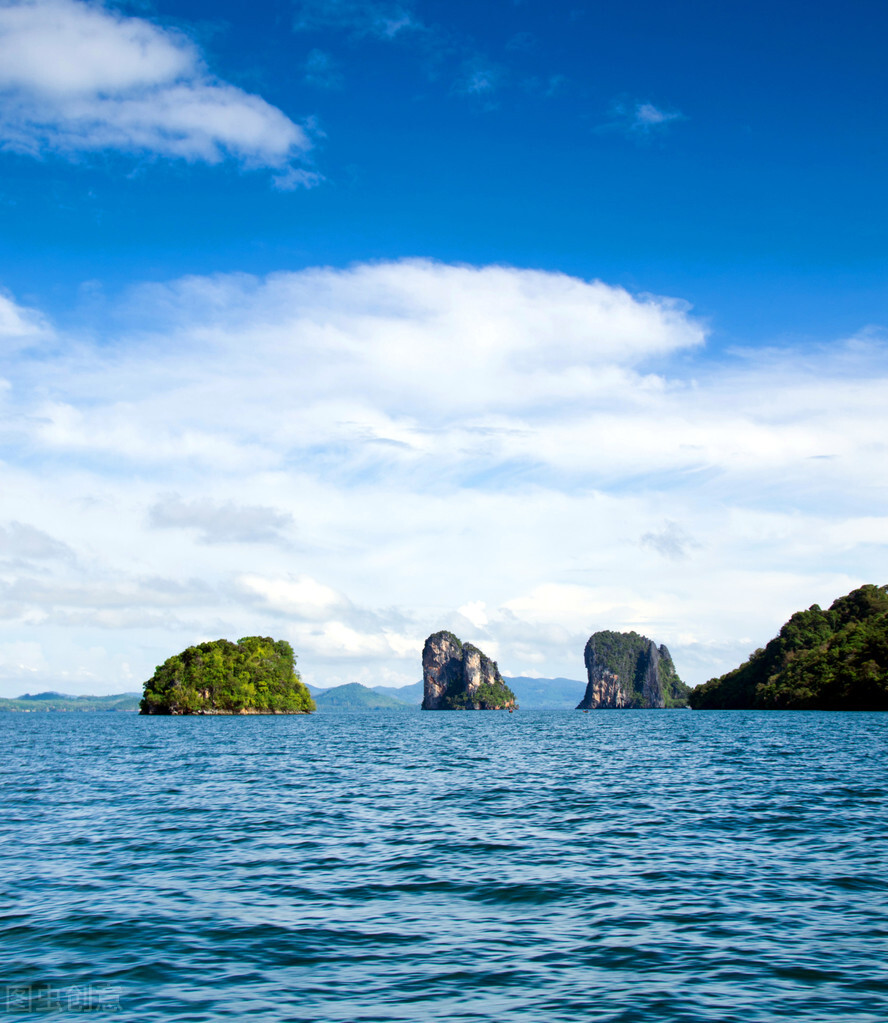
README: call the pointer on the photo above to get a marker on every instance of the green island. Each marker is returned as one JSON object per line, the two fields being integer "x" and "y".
{"x": 820, "y": 660}
{"x": 256, "y": 675}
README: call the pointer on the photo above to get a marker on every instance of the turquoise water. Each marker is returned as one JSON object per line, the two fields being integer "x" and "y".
{"x": 539, "y": 866}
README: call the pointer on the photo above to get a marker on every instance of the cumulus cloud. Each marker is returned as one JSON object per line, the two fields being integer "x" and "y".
{"x": 77, "y": 77}
{"x": 301, "y": 597}
{"x": 497, "y": 450}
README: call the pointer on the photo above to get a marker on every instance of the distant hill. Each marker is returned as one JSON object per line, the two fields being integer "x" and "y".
{"x": 37, "y": 702}
{"x": 547, "y": 693}
{"x": 355, "y": 697}
{"x": 411, "y": 694}
{"x": 531, "y": 693}
{"x": 821, "y": 660}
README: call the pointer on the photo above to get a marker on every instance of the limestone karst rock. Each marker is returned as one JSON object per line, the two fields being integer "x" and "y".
{"x": 626, "y": 670}
{"x": 458, "y": 676}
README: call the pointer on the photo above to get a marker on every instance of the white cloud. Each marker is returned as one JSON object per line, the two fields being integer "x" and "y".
{"x": 504, "y": 452}
{"x": 646, "y": 116}
{"x": 77, "y": 77}
{"x": 640, "y": 118}
{"x": 20, "y": 326}
{"x": 302, "y": 597}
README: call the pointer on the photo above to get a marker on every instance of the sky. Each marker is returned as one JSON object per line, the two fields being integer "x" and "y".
{"x": 346, "y": 322}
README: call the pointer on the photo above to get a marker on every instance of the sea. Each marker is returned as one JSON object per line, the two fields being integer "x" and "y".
{"x": 486, "y": 867}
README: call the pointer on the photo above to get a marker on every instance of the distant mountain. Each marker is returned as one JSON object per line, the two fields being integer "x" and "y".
{"x": 546, "y": 693}
{"x": 411, "y": 694}
{"x": 37, "y": 702}
{"x": 355, "y": 697}
{"x": 531, "y": 693}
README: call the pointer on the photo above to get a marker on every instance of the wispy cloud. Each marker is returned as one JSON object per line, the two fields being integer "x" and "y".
{"x": 479, "y": 79}
{"x": 221, "y": 522}
{"x": 322, "y": 71}
{"x": 19, "y": 540}
{"x": 20, "y": 326}
{"x": 640, "y": 118}
{"x": 77, "y": 77}
{"x": 671, "y": 541}
{"x": 381, "y": 19}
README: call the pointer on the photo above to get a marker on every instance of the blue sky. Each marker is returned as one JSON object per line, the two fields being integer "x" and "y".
{"x": 348, "y": 321}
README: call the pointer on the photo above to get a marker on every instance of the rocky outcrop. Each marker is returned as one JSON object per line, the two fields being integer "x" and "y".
{"x": 627, "y": 670}
{"x": 603, "y": 690}
{"x": 458, "y": 676}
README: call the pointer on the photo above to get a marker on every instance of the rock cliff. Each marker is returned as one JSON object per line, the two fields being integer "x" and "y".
{"x": 458, "y": 676}
{"x": 627, "y": 670}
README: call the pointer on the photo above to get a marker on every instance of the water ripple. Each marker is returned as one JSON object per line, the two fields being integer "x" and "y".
{"x": 624, "y": 866}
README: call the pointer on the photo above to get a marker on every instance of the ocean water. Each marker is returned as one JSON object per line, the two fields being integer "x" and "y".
{"x": 539, "y": 866}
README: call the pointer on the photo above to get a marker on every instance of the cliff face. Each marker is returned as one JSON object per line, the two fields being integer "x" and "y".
{"x": 627, "y": 670}
{"x": 458, "y": 676}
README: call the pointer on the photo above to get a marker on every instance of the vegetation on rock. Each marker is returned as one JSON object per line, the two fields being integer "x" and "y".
{"x": 820, "y": 660}
{"x": 459, "y": 676}
{"x": 628, "y": 670}
{"x": 256, "y": 675}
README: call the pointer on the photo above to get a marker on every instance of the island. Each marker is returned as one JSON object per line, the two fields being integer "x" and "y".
{"x": 626, "y": 671}
{"x": 458, "y": 676}
{"x": 256, "y": 675}
{"x": 820, "y": 660}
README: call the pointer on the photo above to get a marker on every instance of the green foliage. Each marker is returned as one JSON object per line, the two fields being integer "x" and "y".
{"x": 627, "y": 655}
{"x": 675, "y": 692}
{"x": 491, "y": 694}
{"x": 820, "y": 660}
{"x": 257, "y": 674}
{"x": 494, "y": 695}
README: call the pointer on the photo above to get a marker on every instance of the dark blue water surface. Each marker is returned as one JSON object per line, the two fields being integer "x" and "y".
{"x": 539, "y": 866}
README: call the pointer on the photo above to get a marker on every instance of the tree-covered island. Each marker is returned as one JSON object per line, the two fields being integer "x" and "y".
{"x": 256, "y": 675}
{"x": 820, "y": 660}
